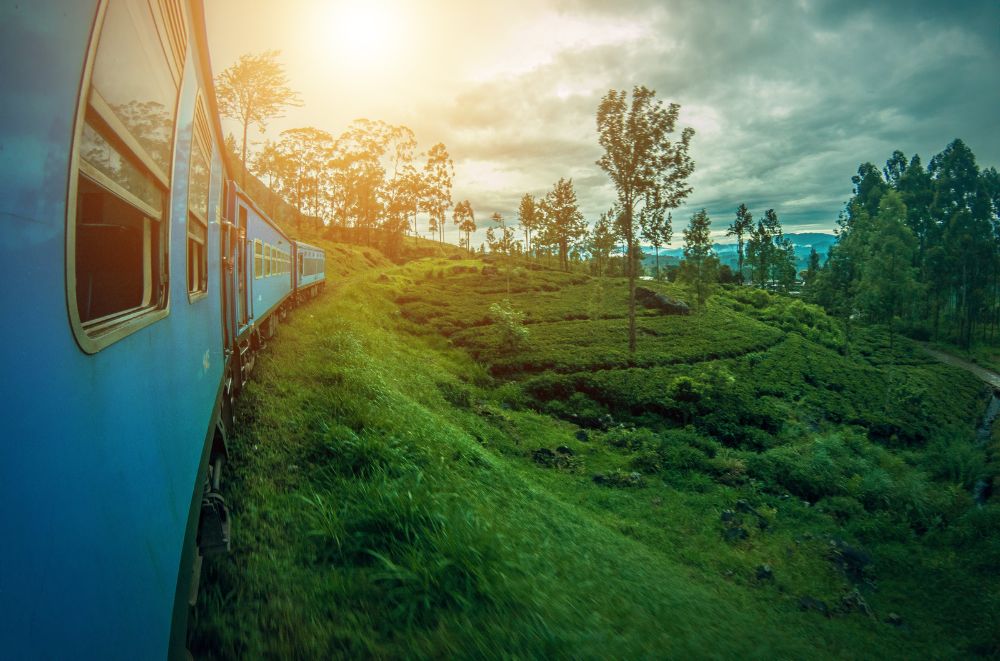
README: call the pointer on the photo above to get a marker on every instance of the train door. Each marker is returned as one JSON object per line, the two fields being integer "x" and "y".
{"x": 226, "y": 282}
{"x": 242, "y": 283}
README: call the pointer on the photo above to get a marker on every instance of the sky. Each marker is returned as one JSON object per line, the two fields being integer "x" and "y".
{"x": 786, "y": 98}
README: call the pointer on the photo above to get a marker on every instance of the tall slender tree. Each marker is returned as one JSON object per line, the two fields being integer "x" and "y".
{"x": 465, "y": 218}
{"x": 646, "y": 167}
{"x": 254, "y": 90}
{"x": 562, "y": 224}
{"x": 529, "y": 215}
{"x": 739, "y": 228}
{"x": 700, "y": 268}
{"x": 438, "y": 174}
{"x": 657, "y": 230}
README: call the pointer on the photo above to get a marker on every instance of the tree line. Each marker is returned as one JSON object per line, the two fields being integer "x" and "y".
{"x": 919, "y": 248}
{"x": 368, "y": 177}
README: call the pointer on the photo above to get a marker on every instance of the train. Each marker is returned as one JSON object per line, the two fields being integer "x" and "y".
{"x": 138, "y": 282}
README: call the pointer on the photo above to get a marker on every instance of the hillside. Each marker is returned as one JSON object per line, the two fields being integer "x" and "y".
{"x": 403, "y": 486}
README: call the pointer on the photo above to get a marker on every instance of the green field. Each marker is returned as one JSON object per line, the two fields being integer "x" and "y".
{"x": 741, "y": 487}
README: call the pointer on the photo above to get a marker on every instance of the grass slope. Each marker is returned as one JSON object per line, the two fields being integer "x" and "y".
{"x": 392, "y": 498}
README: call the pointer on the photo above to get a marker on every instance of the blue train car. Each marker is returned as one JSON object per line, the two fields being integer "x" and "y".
{"x": 112, "y": 342}
{"x": 310, "y": 270}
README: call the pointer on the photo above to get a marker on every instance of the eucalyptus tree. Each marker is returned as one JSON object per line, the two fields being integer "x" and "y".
{"x": 530, "y": 217}
{"x": 562, "y": 222}
{"x": 700, "y": 268}
{"x": 438, "y": 172}
{"x": 646, "y": 167}
{"x": 603, "y": 240}
{"x": 254, "y": 90}
{"x": 656, "y": 229}
{"x": 465, "y": 218}
{"x": 739, "y": 228}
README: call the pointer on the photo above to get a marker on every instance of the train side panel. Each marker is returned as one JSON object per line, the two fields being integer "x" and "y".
{"x": 270, "y": 259}
{"x": 103, "y": 442}
{"x": 310, "y": 271}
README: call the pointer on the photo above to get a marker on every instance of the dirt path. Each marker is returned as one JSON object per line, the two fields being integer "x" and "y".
{"x": 988, "y": 376}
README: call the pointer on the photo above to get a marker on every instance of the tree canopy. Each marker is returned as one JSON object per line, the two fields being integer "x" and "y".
{"x": 648, "y": 169}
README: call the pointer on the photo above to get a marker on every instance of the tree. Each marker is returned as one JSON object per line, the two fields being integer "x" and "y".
{"x": 254, "y": 90}
{"x": 562, "y": 224}
{"x": 888, "y": 283}
{"x": 813, "y": 266}
{"x": 465, "y": 218}
{"x": 739, "y": 228}
{"x": 700, "y": 267}
{"x": 436, "y": 200}
{"x": 603, "y": 240}
{"x": 530, "y": 217}
{"x": 657, "y": 230}
{"x": 645, "y": 166}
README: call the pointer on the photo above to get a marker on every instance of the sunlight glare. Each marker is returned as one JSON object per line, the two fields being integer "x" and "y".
{"x": 364, "y": 31}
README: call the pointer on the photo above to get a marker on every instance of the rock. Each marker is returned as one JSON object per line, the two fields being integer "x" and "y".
{"x": 807, "y": 603}
{"x": 544, "y": 456}
{"x": 852, "y": 560}
{"x": 562, "y": 449}
{"x": 650, "y": 299}
{"x": 619, "y": 478}
{"x": 853, "y": 602}
{"x": 582, "y": 435}
{"x": 895, "y": 619}
{"x": 765, "y": 573}
{"x": 735, "y": 534}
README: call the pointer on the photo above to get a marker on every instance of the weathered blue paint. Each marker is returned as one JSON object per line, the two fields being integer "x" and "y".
{"x": 100, "y": 452}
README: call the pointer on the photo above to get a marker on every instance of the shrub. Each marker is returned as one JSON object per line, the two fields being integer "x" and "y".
{"x": 510, "y": 322}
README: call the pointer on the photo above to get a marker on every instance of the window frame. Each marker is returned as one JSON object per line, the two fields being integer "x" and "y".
{"x": 200, "y": 135}
{"x": 92, "y": 109}
{"x": 258, "y": 259}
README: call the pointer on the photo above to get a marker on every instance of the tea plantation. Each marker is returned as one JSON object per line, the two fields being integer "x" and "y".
{"x": 408, "y": 482}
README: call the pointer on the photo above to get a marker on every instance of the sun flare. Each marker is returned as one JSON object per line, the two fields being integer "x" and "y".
{"x": 364, "y": 32}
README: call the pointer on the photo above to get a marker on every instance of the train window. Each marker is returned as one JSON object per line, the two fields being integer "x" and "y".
{"x": 198, "y": 182}
{"x": 267, "y": 260}
{"x": 117, "y": 270}
{"x": 258, "y": 258}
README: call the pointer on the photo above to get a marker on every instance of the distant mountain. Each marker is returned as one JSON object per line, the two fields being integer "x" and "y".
{"x": 728, "y": 253}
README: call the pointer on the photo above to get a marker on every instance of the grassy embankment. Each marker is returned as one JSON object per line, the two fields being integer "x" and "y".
{"x": 400, "y": 488}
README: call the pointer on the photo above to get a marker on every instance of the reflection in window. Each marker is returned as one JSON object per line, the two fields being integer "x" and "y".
{"x": 133, "y": 78}
{"x": 119, "y": 235}
{"x": 108, "y": 161}
{"x": 198, "y": 183}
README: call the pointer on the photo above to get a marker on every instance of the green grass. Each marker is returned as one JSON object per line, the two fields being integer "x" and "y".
{"x": 389, "y": 497}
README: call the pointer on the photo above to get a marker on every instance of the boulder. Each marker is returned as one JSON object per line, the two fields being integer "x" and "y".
{"x": 655, "y": 301}
{"x": 853, "y": 602}
{"x": 852, "y": 560}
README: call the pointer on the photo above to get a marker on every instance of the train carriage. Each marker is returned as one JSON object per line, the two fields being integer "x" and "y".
{"x": 127, "y": 288}
{"x": 310, "y": 270}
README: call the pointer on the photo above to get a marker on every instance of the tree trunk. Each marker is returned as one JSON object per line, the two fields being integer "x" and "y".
{"x": 630, "y": 269}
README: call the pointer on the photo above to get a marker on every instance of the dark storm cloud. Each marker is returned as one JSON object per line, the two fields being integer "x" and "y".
{"x": 788, "y": 98}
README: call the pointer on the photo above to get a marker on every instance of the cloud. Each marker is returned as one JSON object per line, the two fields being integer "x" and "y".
{"x": 787, "y": 98}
